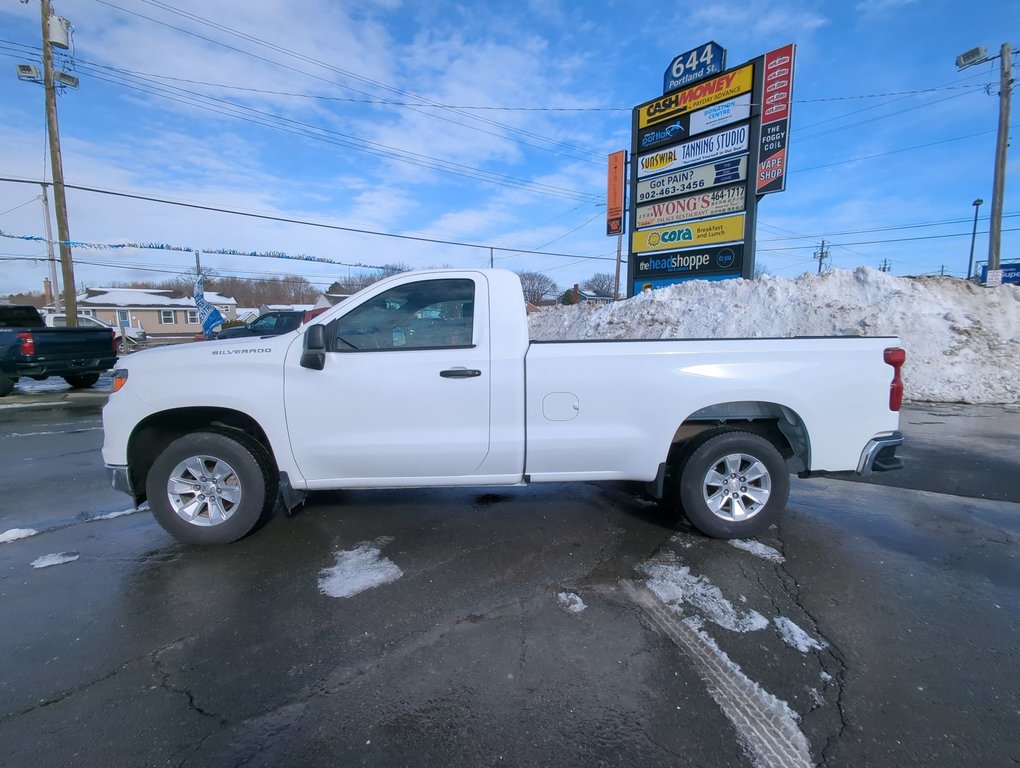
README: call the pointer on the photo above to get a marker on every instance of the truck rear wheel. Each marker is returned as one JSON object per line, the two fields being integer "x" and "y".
{"x": 733, "y": 485}
{"x": 6, "y": 385}
{"x": 82, "y": 380}
{"x": 210, "y": 487}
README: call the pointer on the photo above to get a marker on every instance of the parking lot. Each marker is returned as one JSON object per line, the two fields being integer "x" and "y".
{"x": 553, "y": 625}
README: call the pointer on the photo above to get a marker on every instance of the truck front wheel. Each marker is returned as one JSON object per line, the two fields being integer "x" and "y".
{"x": 210, "y": 488}
{"x": 733, "y": 485}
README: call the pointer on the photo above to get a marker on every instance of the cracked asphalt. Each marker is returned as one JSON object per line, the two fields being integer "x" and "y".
{"x": 146, "y": 652}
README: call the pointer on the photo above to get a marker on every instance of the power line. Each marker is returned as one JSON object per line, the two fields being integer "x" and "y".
{"x": 920, "y": 225}
{"x": 305, "y": 222}
{"x": 892, "y": 240}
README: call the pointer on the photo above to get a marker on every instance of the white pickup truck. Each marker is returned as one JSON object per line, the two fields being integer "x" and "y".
{"x": 430, "y": 379}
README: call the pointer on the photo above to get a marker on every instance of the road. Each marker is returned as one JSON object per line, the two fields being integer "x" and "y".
{"x": 564, "y": 625}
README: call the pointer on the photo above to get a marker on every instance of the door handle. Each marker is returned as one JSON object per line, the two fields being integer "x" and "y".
{"x": 460, "y": 373}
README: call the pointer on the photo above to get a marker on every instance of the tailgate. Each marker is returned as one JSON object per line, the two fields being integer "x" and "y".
{"x": 72, "y": 343}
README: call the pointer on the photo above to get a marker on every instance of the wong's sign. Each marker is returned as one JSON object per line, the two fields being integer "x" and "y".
{"x": 715, "y": 203}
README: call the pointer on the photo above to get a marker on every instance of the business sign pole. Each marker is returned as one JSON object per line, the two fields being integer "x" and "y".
{"x": 704, "y": 154}
{"x": 615, "y": 204}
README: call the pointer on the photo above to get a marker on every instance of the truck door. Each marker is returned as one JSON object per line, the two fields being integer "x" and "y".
{"x": 404, "y": 394}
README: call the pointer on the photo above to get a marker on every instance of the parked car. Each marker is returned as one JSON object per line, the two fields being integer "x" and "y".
{"x": 270, "y": 324}
{"x": 354, "y": 399}
{"x": 134, "y": 335}
{"x": 29, "y": 349}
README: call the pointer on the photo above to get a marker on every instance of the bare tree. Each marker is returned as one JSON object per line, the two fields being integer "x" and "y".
{"x": 760, "y": 270}
{"x": 537, "y": 286}
{"x": 601, "y": 283}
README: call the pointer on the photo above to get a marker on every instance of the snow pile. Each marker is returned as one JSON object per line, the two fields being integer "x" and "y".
{"x": 962, "y": 340}
{"x": 675, "y": 585}
{"x": 356, "y": 570}
{"x": 764, "y": 551}
{"x": 16, "y": 533}
{"x": 795, "y": 637}
{"x": 57, "y": 558}
{"x": 571, "y": 603}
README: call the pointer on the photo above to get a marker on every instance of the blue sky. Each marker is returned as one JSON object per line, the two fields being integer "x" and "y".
{"x": 485, "y": 123}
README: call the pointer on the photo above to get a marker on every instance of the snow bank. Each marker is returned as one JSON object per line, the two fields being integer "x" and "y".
{"x": 962, "y": 340}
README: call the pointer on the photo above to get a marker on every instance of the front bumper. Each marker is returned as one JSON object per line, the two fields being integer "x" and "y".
{"x": 120, "y": 479}
{"x": 879, "y": 455}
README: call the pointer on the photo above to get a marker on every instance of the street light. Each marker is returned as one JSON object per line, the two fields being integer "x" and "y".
{"x": 970, "y": 264}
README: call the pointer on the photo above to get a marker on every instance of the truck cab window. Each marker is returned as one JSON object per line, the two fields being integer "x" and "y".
{"x": 422, "y": 315}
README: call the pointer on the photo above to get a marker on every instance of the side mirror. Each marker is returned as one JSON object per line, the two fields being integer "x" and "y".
{"x": 314, "y": 355}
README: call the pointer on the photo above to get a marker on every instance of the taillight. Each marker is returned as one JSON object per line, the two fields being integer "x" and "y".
{"x": 895, "y": 357}
{"x": 120, "y": 377}
{"x": 27, "y": 343}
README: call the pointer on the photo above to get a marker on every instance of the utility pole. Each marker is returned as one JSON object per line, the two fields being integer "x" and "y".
{"x": 52, "y": 129}
{"x": 999, "y": 182}
{"x": 885, "y": 266}
{"x": 49, "y": 250}
{"x": 821, "y": 254}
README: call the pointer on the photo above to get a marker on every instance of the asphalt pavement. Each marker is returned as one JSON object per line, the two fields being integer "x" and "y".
{"x": 561, "y": 625}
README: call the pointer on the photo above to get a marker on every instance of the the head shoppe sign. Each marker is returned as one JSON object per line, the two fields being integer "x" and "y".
{"x": 703, "y": 154}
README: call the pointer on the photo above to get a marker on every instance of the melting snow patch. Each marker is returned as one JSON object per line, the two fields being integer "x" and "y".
{"x": 766, "y": 726}
{"x": 16, "y": 533}
{"x": 571, "y": 603}
{"x": 356, "y": 570}
{"x": 795, "y": 637}
{"x": 675, "y": 585}
{"x": 57, "y": 558}
{"x": 111, "y": 515}
{"x": 763, "y": 551}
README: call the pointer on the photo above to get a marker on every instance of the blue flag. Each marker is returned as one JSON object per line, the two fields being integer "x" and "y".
{"x": 207, "y": 313}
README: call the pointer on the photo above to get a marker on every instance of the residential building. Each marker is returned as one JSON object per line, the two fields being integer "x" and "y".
{"x": 161, "y": 313}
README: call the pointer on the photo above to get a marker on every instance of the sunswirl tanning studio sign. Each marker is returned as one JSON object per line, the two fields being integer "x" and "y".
{"x": 727, "y": 142}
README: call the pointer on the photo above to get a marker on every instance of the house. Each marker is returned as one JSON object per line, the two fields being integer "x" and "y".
{"x": 163, "y": 314}
{"x": 582, "y": 295}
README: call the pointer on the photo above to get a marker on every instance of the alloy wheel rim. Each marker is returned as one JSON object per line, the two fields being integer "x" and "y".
{"x": 204, "y": 491}
{"x": 736, "y": 487}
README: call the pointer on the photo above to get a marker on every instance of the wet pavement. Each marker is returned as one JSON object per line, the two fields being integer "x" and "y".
{"x": 556, "y": 625}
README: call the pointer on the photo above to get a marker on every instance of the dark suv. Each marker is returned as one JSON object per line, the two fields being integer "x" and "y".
{"x": 269, "y": 324}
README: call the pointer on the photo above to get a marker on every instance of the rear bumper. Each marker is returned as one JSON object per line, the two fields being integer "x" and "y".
{"x": 47, "y": 367}
{"x": 879, "y": 455}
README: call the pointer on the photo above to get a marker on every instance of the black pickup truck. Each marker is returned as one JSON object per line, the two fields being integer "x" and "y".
{"x": 28, "y": 348}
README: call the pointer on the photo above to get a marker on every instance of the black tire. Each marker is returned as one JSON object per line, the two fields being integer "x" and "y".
{"x": 82, "y": 380}
{"x": 738, "y": 505}
{"x": 6, "y": 384}
{"x": 244, "y": 491}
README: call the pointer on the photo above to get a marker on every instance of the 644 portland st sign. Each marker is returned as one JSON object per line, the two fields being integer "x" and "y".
{"x": 705, "y": 153}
